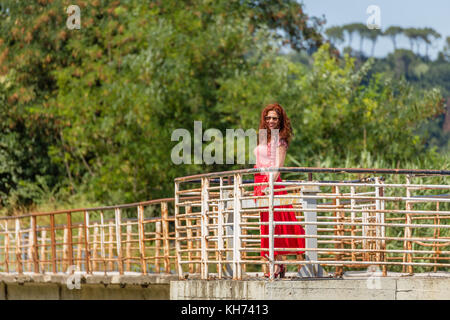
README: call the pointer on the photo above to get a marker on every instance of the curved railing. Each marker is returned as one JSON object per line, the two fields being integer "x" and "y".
{"x": 133, "y": 238}
{"x": 397, "y": 220}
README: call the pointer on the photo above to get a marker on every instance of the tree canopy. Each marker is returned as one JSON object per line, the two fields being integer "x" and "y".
{"x": 91, "y": 111}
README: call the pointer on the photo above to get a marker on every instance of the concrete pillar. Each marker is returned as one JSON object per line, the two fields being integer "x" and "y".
{"x": 314, "y": 269}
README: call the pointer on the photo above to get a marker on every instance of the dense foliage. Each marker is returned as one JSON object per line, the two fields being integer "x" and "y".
{"x": 88, "y": 114}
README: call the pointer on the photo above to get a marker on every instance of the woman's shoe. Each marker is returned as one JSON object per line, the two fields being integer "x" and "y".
{"x": 282, "y": 271}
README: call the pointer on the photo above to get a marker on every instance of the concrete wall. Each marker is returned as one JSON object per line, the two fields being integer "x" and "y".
{"x": 54, "y": 287}
{"x": 327, "y": 289}
{"x": 164, "y": 287}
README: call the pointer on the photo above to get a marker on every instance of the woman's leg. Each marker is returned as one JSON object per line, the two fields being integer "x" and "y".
{"x": 280, "y": 268}
{"x": 300, "y": 257}
{"x": 278, "y": 257}
{"x": 265, "y": 269}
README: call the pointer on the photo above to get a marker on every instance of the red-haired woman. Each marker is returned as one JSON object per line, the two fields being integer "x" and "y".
{"x": 278, "y": 127}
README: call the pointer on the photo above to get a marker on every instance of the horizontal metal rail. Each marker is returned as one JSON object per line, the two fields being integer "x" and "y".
{"x": 121, "y": 238}
{"x": 371, "y": 221}
{"x": 217, "y": 226}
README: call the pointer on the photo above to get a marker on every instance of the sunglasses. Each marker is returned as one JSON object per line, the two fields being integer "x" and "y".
{"x": 273, "y": 118}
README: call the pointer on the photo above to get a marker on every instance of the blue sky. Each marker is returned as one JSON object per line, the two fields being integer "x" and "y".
{"x": 404, "y": 13}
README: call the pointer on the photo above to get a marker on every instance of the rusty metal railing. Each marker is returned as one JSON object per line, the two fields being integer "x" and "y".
{"x": 353, "y": 218}
{"x": 398, "y": 220}
{"x": 135, "y": 238}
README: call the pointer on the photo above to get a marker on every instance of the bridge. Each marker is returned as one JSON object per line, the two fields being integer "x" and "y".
{"x": 358, "y": 222}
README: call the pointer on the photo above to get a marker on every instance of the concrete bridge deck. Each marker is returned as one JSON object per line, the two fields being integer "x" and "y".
{"x": 353, "y": 222}
{"x": 352, "y": 286}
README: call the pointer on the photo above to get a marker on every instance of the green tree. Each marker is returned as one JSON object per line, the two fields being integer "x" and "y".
{"x": 337, "y": 113}
{"x": 335, "y": 35}
{"x": 106, "y": 98}
{"x": 429, "y": 35}
{"x": 93, "y": 110}
{"x": 363, "y": 33}
{"x": 413, "y": 35}
{"x": 373, "y": 36}
{"x": 301, "y": 31}
{"x": 350, "y": 30}
{"x": 393, "y": 32}
{"x": 400, "y": 63}
{"x": 446, "y": 51}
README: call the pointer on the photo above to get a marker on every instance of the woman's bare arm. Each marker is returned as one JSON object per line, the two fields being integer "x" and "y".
{"x": 280, "y": 157}
{"x": 279, "y": 162}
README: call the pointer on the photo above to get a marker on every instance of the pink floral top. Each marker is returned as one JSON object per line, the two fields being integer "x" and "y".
{"x": 266, "y": 155}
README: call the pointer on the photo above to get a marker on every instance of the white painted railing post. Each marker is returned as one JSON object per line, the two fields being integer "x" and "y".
{"x": 7, "y": 246}
{"x": 237, "y": 267}
{"x": 204, "y": 228}
{"x": 271, "y": 226}
{"x": 407, "y": 245}
{"x": 118, "y": 219}
{"x": 177, "y": 231}
{"x": 102, "y": 240}
{"x": 313, "y": 269}
{"x": 18, "y": 247}
{"x": 353, "y": 219}
{"x": 380, "y": 218}
{"x": 220, "y": 209}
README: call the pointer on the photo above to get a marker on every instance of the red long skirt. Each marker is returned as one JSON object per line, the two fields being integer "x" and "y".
{"x": 279, "y": 229}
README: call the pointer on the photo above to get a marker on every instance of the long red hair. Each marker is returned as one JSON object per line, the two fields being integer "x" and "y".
{"x": 285, "y": 129}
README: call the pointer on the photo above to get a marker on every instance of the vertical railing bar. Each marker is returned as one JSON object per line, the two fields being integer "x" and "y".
{"x": 43, "y": 250}
{"x": 377, "y": 219}
{"x": 190, "y": 246}
{"x": 110, "y": 246}
{"x": 177, "y": 232}
{"x": 339, "y": 228}
{"x": 117, "y": 214}
{"x": 7, "y": 247}
{"x": 69, "y": 235}
{"x": 18, "y": 247}
{"x": 407, "y": 244}
{"x": 436, "y": 234}
{"x": 364, "y": 228}
{"x": 352, "y": 218}
{"x": 34, "y": 244}
{"x": 128, "y": 247}
{"x": 29, "y": 246}
{"x": 141, "y": 239}
{"x": 204, "y": 228}
{"x": 165, "y": 231}
{"x": 95, "y": 261}
{"x": 383, "y": 230}
{"x": 87, "y": 254}
{"x": 102, "y": 240}
{"x": 157, "y": 246}
{"x": 220, "y": 209}
{"x": 236, "y": 233}
{"x": 237, "y": 243}
{"x": 79, "y": 245}
{"x": 271, "y": 226}
{"x": 65, "y": 249}
{"x": 53, "y": 242}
